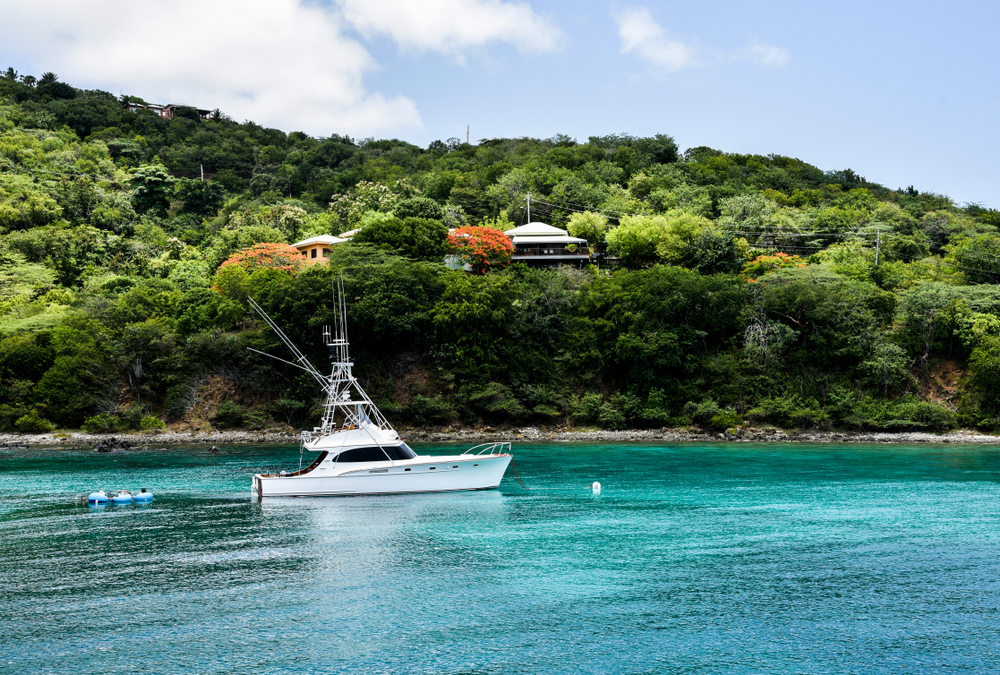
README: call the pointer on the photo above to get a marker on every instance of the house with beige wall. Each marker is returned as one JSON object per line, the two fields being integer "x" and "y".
{"x": 316, "y": 249}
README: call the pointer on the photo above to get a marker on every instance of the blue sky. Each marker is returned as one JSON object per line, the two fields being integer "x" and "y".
{"x": 899, "y": 92}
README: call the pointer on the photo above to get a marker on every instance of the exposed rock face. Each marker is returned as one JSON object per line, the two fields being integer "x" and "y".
{"x": 112, "y": 444}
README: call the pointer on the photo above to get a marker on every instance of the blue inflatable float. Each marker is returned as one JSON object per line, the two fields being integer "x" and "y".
{"x": 97, "y": 498}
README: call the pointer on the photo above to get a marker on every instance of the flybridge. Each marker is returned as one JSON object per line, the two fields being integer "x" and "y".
{"x": 347, "y": 406}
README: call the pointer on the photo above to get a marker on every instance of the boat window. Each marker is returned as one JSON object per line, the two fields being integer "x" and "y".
{"x": 376, "y": 454}
{"x": 371, "y": 454}
{"x": 405, "y": 452}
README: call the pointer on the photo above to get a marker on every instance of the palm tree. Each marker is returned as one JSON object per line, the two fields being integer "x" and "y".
{"x": 49, "y": 78}
{"x": 29, "y": 80}
{"x": 11, "y": 74}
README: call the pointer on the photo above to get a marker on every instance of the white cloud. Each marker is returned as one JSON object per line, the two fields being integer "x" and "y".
{"x": 643, "y": 36}
{"x": 450, "y": 26}
{"x": 765, "y": 55}
{"x": 278, "y": 62}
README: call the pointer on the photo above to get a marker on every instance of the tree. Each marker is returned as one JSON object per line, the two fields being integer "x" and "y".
{"x": 590, "y": 226}
{"x": 419, "y": 207}
{"x": 267, "y": 255}
{"x": 56, "y": 90}
{"x": 636, "y": 238}
{"x": 482, "y": 247}
{"x": 768, "y": 262}
{"x": 675, "y": 238}
{"x": 49, "y": 78}
{"x": 472, "y": 315}
{"x": 23, "y": 205}
{"x": 257, "y": 269}
{"x": 978, "y": 256}
{"x": 153, "y": 189}
{"x": 200, "y": 197}
{"x": 418, "y": 238}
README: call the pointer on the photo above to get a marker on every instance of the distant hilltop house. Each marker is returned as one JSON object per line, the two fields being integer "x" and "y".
{"x": 166, "y": 111}
{"x": 539, "y": 245}
{"x": 317, "y": 249}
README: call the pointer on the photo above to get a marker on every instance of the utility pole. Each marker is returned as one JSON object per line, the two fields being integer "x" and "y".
{"x": 467, "y": 133}
{"x": 529, "y": 207}
{"x": 202, "y": 168}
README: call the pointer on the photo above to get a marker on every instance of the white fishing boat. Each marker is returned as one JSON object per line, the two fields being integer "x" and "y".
{"x": 359, "y": 451}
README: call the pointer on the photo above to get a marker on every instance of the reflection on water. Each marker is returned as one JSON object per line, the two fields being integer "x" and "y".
{"x": 692, "y": 559}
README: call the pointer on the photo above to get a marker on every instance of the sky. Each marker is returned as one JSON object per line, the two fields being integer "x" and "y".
{"x": 897, "y": 91}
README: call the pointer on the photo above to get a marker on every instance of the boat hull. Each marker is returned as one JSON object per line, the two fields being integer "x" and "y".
{"x": 422, "y": 474}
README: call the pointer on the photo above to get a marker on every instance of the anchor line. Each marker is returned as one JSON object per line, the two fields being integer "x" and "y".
{"x": 513, "y": 466}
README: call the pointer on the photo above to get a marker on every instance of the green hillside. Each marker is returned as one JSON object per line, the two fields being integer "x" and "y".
{"x": 727, "y": 288}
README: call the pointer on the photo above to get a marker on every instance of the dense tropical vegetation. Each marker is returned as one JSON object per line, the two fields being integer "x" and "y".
{"x": 729, "y": 288}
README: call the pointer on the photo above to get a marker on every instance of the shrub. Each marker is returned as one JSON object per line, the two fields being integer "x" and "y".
{"x": 587, "y": 408}
{"x": 610, "y": 417}
{"x": 546, "y": 412}
{"x": 131, "y": 416}
{"x": 901, "y": 414}
{"x": 9, "y": 414}
{"x": 151, "y": 423}
{"x": 496, "y": 400}
{"x": 724, "y": 419}
{"x": 430, "y": 410}
{"x": 230, "y": 415}
{"x": 104, "y": 423}
{"x": 179, "y": 399}
{"x": 655, "y": 410}
{"x": 256, "y": 420}
{"x": 32, "y": 423}
{"x": 791, "y": 411}
{"x": 703, "y": 412}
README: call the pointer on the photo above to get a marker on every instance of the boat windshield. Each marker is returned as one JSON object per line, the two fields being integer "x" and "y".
{"x": 376, "y": 454}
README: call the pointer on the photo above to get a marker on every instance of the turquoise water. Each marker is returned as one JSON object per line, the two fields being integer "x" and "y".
{"x": 694, "y": 559}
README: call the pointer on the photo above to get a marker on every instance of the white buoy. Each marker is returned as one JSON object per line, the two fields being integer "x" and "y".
{"x": 597, "y": 488}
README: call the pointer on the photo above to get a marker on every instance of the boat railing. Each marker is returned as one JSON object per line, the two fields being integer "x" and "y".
{"x": 496, "y": 448}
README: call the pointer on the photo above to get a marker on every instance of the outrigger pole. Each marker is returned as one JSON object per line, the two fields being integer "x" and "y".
{"x": 300, "y": 358}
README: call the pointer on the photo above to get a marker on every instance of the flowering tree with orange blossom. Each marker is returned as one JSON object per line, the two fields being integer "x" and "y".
{"x": 253, "y": 267}
{"x": 767, "y": 262}
{"x": 482, "y": 247}
{"x": 267, "y": 255}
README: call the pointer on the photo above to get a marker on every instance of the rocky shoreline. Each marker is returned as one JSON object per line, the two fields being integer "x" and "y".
{"x": 472, "y": 436}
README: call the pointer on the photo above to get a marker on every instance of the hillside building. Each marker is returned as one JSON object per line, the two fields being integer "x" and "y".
{"x": 317, "y": 249}
{"x": 539, "y": 245}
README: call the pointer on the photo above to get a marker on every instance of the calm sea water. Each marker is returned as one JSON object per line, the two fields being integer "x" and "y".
{"x": 694, "y": 559}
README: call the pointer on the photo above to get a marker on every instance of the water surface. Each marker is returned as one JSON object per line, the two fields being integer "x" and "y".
{"x": 694, "y": 559}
